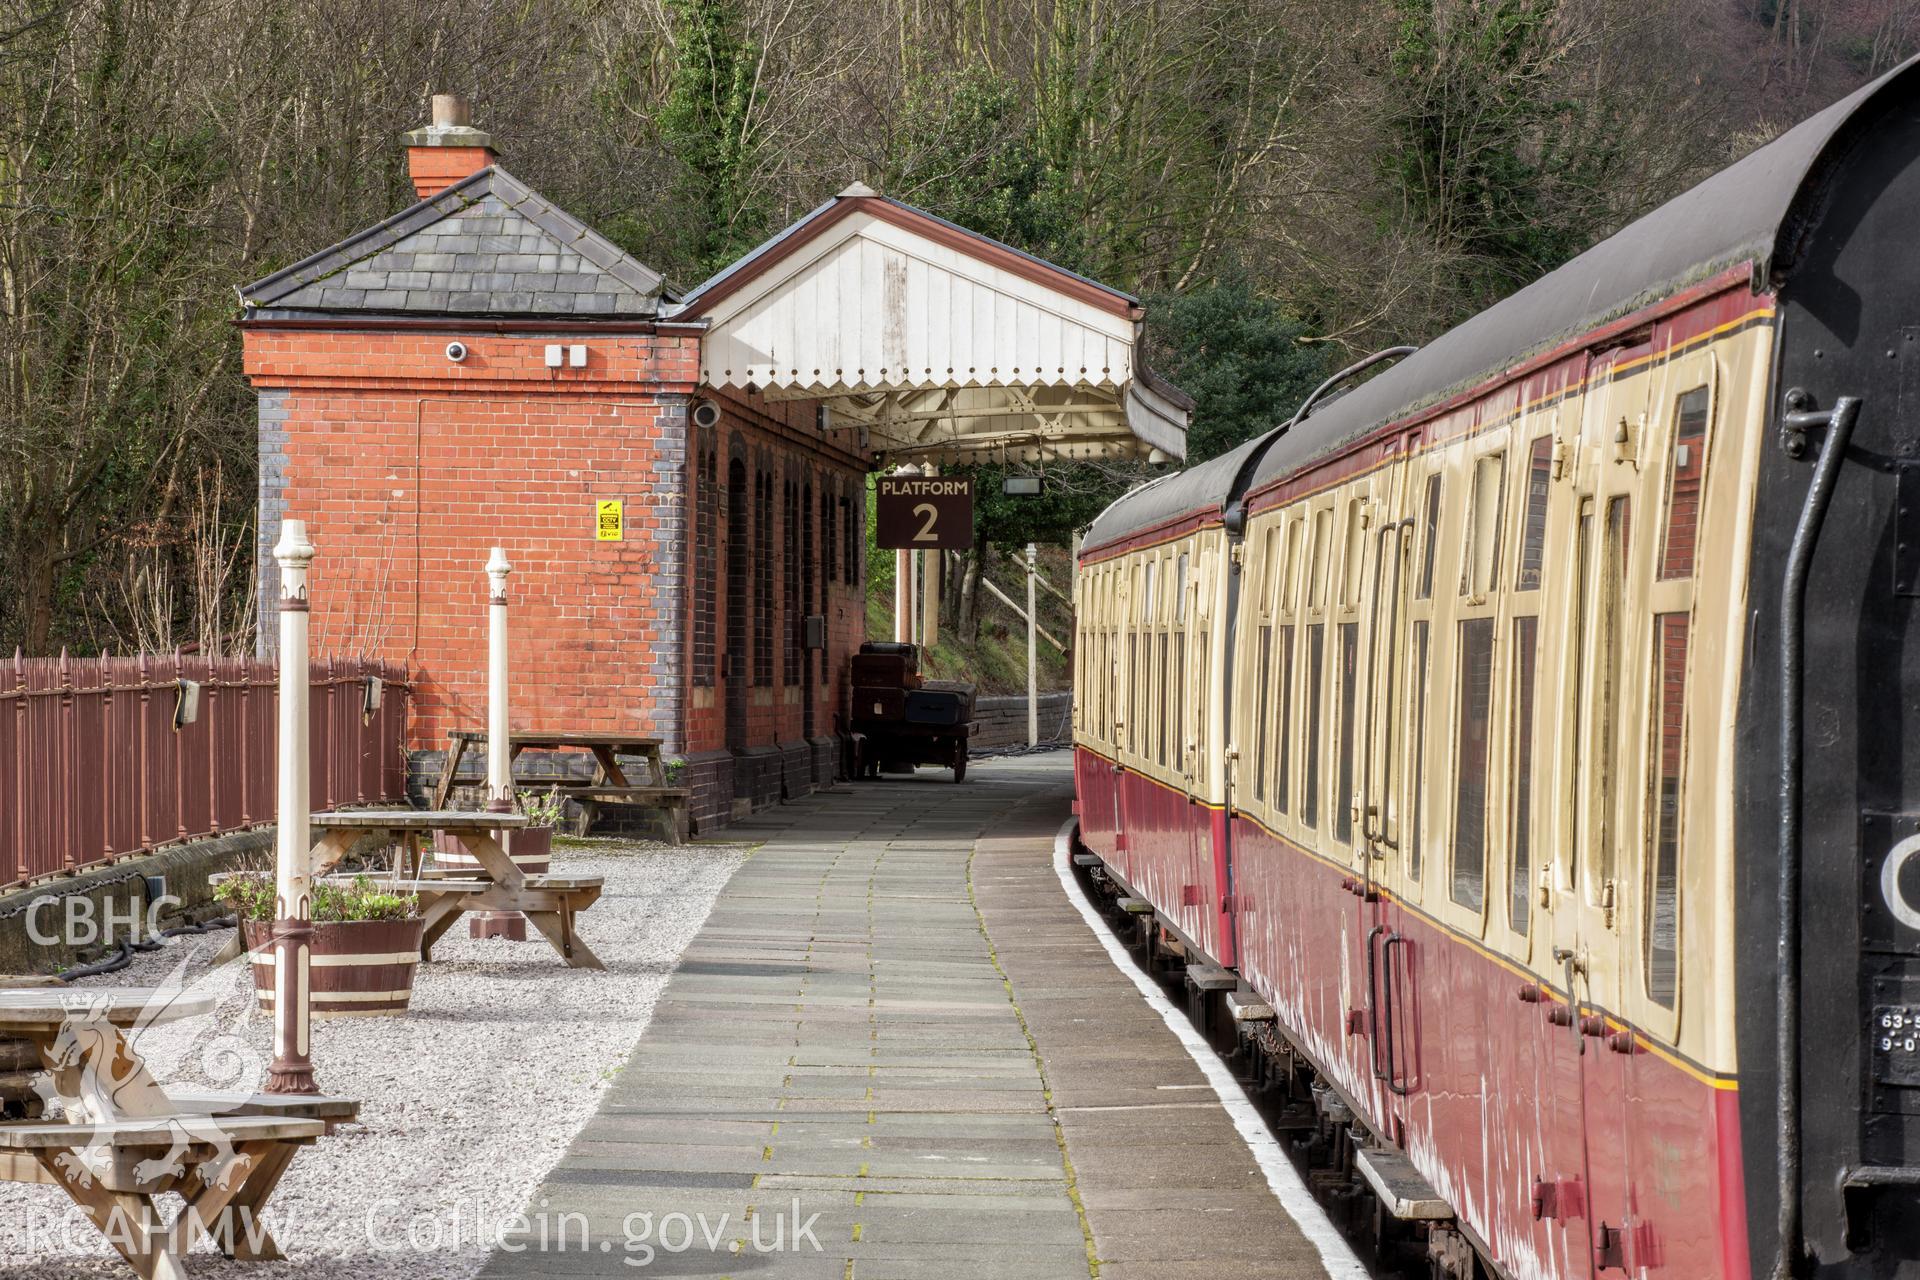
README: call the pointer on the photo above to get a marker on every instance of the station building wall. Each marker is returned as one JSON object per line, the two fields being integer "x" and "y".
{"x": 408, "y": 467}
{"x": 778, "y": 535}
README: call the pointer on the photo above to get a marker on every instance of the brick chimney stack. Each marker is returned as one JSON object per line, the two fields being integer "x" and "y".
{"x": 447, "y": 150}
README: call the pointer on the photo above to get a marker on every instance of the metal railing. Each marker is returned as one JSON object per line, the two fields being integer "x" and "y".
{"x": 102, "y": 758}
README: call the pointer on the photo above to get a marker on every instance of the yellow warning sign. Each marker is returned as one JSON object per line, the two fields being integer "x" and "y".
{"x": 609, "y": 523}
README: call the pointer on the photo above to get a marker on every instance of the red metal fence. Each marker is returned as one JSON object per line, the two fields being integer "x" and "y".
{"x": 92, "y": 767}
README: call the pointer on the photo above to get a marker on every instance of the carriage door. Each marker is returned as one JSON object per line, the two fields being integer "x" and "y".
{"x": 1616, "y": 678}
{"x": 1387, "y": 953}
{"x": 1600, "y": 810}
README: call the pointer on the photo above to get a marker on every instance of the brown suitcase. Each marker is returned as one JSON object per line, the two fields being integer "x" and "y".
{"x": 884, "y": 671}
{"x": 870, "y": 703}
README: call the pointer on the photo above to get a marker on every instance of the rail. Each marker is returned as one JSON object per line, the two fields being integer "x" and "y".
{"x": 104, "y": 758}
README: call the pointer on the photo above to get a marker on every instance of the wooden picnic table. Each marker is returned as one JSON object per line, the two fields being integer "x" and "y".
{"x": 609, "y": 784}
{"x": 551, "y": 902}
{"x": 123, "y": 1140}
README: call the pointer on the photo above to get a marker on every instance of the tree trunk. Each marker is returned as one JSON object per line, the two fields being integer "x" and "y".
{"x": 955, "y": 574}
{"x": 37, "y": 571}
{"x": 967, "y": 617}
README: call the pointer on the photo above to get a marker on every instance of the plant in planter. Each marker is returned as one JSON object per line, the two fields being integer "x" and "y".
{"x": 366, "y": 943}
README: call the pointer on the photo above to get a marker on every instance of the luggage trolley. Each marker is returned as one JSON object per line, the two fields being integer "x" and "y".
{"x": 900, "y": 720}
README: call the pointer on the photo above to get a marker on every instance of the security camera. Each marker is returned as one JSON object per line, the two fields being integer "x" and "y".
{"x": 706, "y": 414}
{"x": 456, "y": 351}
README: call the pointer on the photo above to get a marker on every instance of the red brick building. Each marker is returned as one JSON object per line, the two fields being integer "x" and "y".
{"x": 483, "y": 369}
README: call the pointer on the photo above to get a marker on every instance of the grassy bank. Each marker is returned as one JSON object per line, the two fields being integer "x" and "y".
{"x": 997, "y": 660}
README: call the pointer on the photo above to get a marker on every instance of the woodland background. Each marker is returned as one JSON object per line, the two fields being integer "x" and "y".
{"x": 1287, "y": 182}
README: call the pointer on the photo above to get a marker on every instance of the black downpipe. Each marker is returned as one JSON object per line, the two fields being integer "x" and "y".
{"x": 1793, "y": 600}
{"x": 120, "y": 959}
{"x": 123, "y": 956}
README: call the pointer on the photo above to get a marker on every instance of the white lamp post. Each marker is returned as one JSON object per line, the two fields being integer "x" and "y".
{"x": 1033, "y": 653}
{"x": 499, "y": 768}
{"x": 292, "y": 1069}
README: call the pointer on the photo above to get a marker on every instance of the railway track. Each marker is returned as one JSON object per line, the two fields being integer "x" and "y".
{"x": 1311, "y": 1124}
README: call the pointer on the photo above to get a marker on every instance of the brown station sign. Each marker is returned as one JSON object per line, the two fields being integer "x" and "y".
{"x": 923, "y": 513}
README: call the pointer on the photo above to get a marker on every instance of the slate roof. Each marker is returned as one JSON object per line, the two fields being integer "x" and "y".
{"x": 488, "y": 245}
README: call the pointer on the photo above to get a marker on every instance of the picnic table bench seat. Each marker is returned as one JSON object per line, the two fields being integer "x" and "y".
{"x": 154, "y": 1131}
{"x": 460, "y": 884}
{"x": 300, "y": 1106}
{"x": 551, "y": 902}
{"x": 609, "y": 784}
{"x": 617, "y": 795}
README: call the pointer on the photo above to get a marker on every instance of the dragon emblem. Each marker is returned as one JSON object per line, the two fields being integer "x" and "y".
{"x": 97, "y": 1072}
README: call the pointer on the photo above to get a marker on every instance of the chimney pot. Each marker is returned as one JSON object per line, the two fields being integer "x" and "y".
{"x": 448, "y": 150}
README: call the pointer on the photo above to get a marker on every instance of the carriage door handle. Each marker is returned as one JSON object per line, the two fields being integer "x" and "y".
{"x": 1396, "y": 1081}
{"x": 1373, "y": 1001}
{"x": 1570, "y": 965}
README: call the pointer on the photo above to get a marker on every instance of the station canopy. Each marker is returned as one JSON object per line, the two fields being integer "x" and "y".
{"x": 939, "y": 344}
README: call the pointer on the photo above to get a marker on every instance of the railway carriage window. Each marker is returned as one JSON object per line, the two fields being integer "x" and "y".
{"x": 1380, "y": 775}
{"x": 1661, "y": 927}
{"x": 1316, "y": 662}
{"x": 1417, "y": 767}
{"x": 1429, "y": 539}
{"x": 1525, "y": 653}
{"x": 1180, "y": 664}
{"x": 1200, "y": 681}
{"x": 1607, "y": 676}
{"x": 1468, "y": 887}
{"x": 1350, "y": 558}
{"x": 1687, "y": 468}
{"x": 1132, "y": 623}
{"x": 1180, "y": 701}
{"x": 1321, "y": 553}
{"x": 1166, "y": 693}
{"x": 1481, "y": 562}
{"x": 1109, "y": 666}
{"x": 1289, "y": 567}
{"x": 1150, "y": 708}
{"x": 1133, "y": 691}
{"x": 1582, "y": 626}
{"x": 1283, "y": 731}
{"x": 1262, "y": 688}
{"x": 1533, "y": 534}
{"x": 1343, "y": 763}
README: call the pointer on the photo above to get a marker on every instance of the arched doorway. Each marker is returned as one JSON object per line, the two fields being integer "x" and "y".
{"x": 809, "y": 658}
{"x": 738, "y": 629}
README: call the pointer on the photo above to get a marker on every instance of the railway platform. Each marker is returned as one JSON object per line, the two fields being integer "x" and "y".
{"x": 896, "y": 1050}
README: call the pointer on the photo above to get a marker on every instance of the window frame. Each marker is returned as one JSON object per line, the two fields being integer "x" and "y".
{"x": 1419, "y": 823}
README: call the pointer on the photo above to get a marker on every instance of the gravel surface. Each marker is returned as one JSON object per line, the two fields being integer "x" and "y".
{"x": 467, "y": 1100}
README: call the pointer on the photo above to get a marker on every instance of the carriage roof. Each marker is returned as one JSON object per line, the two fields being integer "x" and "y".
{"x": 1760, "y": 210}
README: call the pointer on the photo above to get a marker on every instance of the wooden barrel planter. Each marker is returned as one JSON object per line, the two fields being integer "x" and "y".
{"x": 531, "y": 849}
{"x": 361, "y": 968}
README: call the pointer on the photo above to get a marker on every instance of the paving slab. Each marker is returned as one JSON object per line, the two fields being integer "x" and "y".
{"x": 896, "y": 1043}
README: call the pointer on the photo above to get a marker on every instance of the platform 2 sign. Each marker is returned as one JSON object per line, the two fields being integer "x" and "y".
{"x": 923, "y": 513}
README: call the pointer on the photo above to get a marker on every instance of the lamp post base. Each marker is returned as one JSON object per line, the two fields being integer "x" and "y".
{"x": 291, "y": 1077}
{"x": 292, "y": 1067}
